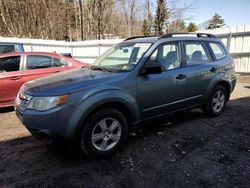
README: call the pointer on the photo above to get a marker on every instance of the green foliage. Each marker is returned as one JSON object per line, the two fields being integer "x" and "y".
{"x": 192, "y": 27}
{"x": 216, "y": 22}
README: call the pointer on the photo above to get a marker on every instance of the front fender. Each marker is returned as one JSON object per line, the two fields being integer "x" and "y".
{"x": 99, "y": 96}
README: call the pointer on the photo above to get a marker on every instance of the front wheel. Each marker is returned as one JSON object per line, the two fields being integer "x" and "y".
{"x": 104, "y": 133}
{"x": 216, "y": 102}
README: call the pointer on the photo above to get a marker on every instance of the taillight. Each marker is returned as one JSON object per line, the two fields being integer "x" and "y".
{"x": 233, "y": 64}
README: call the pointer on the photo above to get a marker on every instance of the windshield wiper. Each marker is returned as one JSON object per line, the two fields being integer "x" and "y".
{"x": 94, "y": 67}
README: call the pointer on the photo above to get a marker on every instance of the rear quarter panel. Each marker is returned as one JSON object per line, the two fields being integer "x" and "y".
{"x": 225, "y": 72}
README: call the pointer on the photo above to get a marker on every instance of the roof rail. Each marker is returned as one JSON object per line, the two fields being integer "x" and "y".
{"x": 135, "y": 37}
{"x": 169, "y": 35}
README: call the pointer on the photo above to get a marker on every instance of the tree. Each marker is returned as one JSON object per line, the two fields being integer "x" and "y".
{"x": 192, "y": 27}
{"x": 145, "y": 28}
{"x": 81, "y": 18}
{"x": 176, "y": 26}
{"x": 161, "y": 16}
{"x": 149, "y": 17}
{"x": 129, "y": 10}
{"x": 216, "y": 22}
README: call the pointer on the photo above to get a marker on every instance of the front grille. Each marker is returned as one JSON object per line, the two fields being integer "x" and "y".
{"x": 22, "y": 101}
{"x": 23, "y": 104}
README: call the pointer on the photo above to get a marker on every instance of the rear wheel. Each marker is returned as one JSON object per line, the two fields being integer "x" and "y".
{"x": 216, "y": 102}
{"x": 104, "y": 133}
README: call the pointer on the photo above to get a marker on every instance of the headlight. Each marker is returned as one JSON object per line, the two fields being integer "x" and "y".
{"x": 46, "y": 103}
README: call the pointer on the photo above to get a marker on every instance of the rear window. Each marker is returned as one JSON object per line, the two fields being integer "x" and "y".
{"x": 7, "y": 49}
{"x": 10, "y": 64}
{"x": 38, "y": 62}
{"x": 218, "y": 50}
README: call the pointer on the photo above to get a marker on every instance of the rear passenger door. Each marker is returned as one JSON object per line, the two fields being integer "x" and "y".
{"x": 199, "y": 70}
{"x": 10, "y": 78}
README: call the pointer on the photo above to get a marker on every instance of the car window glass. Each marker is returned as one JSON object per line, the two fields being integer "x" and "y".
{"x": 59, "y": 63}
{"x": 122, "y": 57}
{"x": 7, "y": 49}
{"x": 218, "y": 50}
{"x": 9, "y": 64}
{"x": 196, "y": 54}
{"x": 38, "y": 62}
{"x": 119, "y": 57}
{"x": 167, "y": 55}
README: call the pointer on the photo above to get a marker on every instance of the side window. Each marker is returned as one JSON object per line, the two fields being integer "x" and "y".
{"x": 10, "y": 64}
{"x": 218, "y": 50}
{"x": 7, "y": 49}
{"x": 196, "y": 53}
{"x": 59, "y": 63}
{"x": 38, "y": 62}
{"x": 167, "y": 55}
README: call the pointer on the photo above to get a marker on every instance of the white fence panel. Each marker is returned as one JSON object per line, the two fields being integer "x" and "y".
{"x": 236, "y": 38}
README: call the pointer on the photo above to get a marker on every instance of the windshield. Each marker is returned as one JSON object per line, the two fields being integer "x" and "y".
{"x": 122, "y": 57}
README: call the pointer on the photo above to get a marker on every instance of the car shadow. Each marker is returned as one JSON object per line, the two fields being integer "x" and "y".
{"x": 6, "y": 109}
{"x": 147, "y": 148}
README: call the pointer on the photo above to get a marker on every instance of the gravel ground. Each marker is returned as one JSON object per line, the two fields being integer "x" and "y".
{"x": 187, "y": 149}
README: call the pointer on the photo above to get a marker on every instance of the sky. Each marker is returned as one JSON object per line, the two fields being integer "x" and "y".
{"x": 234, "y": 12}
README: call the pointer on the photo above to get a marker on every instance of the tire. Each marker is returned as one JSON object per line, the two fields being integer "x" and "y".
{"x": 217, "y": 101}
{"x": 104, "y": 133}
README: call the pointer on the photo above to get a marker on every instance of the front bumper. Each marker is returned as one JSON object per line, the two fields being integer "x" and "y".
{"x": 59, "y": 122}
{"x": 233, "y": 83}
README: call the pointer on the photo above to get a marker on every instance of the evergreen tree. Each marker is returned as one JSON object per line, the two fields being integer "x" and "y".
{"x": 161, "y": 16}
{"x": 216, "y": 22}
{"x": 145, "y": 28}
{"x": 192, "y": 27}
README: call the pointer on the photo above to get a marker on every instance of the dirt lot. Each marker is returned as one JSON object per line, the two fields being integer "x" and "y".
{"x": 184, "y": 150}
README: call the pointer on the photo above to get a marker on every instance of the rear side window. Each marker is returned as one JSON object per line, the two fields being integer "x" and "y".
{"x": 59, "y": 63}
{"x": 7, "y": 49}
{"x": 10, "y": 64}
{"x": 196, "y": 53}
{"x": 218, "y": 50}
{"x": 38, "y": 62}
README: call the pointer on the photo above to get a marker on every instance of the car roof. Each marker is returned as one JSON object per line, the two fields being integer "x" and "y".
{"x": 172, "y": 36}
{"x": 32, "y": 53}
{"x": 150, "y": 39}
{"x": 11, "y": 43}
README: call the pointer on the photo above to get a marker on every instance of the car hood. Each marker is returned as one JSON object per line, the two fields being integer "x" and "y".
{"x": 66, "y": 82}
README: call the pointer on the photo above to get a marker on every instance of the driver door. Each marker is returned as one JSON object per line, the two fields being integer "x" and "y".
{"x": 163, "y": 92}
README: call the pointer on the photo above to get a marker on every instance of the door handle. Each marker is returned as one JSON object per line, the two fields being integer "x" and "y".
{"x": 180, "y": 76}
{"x": 56, "y": 71}
{"x": 213, "y": 69}
{"x": 15, "y": 78}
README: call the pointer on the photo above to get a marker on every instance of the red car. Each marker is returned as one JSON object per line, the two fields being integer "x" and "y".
{"x": 19, "y": 67}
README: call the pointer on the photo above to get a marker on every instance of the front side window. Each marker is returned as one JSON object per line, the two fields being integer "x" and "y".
{"x": 10, "y": 64}
{"x": 123, "y": 57}
{"x": 196, "y": 53}
{"x": 167, "y": 55}
{"x": 38, "y": 62}
{"x": 218, "y": 50}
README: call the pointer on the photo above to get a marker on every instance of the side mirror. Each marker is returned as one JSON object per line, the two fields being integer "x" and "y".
{"x": 151, "y": 67}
